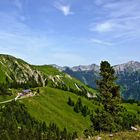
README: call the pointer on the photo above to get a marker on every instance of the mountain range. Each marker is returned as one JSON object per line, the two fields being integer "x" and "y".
{"x": 53, "y": 88}
{"x": 16, "y": 71}
{"x": 128, "y": 77}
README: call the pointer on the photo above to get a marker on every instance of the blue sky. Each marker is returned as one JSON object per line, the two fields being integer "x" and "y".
{"x": 70, "y": 32}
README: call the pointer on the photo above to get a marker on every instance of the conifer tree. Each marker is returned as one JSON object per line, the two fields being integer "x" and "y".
{"x": 78, "y": 106}
{"x": 70, "y": 102}
{"x": 107, "y": 119}
{"x": 108, "y": 89}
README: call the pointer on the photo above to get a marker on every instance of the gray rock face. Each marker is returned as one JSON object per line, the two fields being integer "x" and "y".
{"x": 92, "y": 67}
{"x": 131, "y": 66}
{"x": 59, "y": 67}
{"x": 19, "y": 71}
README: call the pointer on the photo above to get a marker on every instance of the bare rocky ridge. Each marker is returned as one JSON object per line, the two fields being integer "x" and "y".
{"x": 129, "y": 66}
{"x": 19, "y": 71}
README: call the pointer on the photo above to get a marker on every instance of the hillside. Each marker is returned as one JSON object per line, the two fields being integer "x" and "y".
{"x": 51, "y": 106}
{"x": 128, "y": 77}
{"x": 128, "y": 135}
{"x": 14, "y": 70}
{"x": 17, "y": 73}
{"x": 55, "y": 88}
{"x": 61, "y": 80}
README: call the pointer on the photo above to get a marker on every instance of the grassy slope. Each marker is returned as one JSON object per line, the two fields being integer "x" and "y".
{"x": 14, "y": 69}
{"x": 48, "y": 70}
{"x": 129, "y": 135}
{"x": 5, "y": 98}
{"x": 8, "y": 97}
{"x": 2, "y": 74}
{"x": 70, "y": 81}
{"x": 51, "y": 106}
{"x": 132, "y": 108}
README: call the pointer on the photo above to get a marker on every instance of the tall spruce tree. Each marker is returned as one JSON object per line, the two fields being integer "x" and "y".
{"x": 107, "y": 119}
{"x": 108, "y": 89}
{"x": 112, "y": 117}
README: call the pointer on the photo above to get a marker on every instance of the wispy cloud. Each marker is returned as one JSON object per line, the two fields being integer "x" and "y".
{"x": 101, "y": 42}
{"x": 98, "y": 2}
{"x": 126, "y": 8}
{"x": 16, "y": 38}
{"x": 18, "y": 4}
{"x": 118, "y": 19}
{"x": 64, "y": 8}
{"x": 103, "y": 26}
{"x": 11, "y": 22}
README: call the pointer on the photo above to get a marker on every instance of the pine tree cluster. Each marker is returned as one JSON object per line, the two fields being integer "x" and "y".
{"x": 79, "y": 107}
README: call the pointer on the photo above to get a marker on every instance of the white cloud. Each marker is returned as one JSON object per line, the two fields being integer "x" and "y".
{"x": 65, "y": 9}
{"x": 103, "y": 27}
{"x": 101, "y": 42}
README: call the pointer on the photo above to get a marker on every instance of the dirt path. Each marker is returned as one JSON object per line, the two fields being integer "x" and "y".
{"x": 7, "y": 101}
{"x": 17, "y": 98}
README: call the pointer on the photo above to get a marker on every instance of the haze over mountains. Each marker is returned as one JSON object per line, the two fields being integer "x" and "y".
{"x": 128, "y": 76}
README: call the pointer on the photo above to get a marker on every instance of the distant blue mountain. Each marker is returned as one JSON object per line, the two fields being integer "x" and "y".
{"x": 128, "y": 77}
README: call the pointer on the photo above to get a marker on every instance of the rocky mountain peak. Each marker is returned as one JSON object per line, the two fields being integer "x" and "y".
{"x": 129, "y": 66}
{"x": 92, "y": 67}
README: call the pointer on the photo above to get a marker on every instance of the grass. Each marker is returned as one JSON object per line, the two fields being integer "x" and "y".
{"x": 2, "y": 74}
{"x": 68, "y": 80}
{"x": 132, "y": 108}
{"x": 48, "y": 70}
{"x": 8, "y": 97}
{"x": 129, "y": 135}
{"x": 51, "y": 106}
